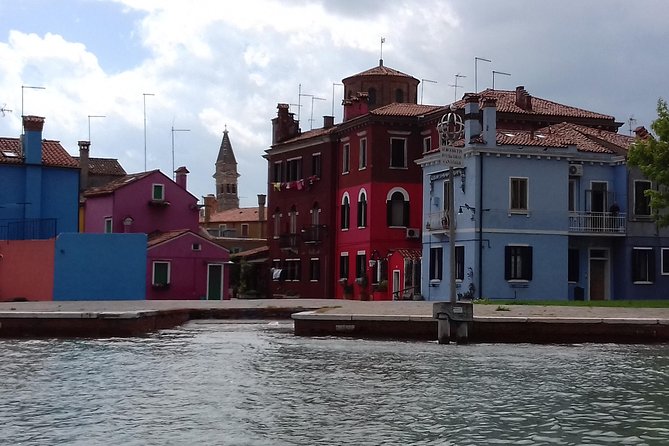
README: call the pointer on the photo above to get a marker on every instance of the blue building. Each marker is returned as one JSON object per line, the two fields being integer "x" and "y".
{"x": 548, "y": 212}
{"x": 39, "y": 185}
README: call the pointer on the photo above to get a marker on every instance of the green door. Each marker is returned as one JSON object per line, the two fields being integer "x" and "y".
{"x": 214, "y": 282}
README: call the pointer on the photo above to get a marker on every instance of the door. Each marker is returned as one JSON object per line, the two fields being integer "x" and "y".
{"x": 396, "y": 284}
{"x": 214, "y": 282}
{"x": 599, "y": 274}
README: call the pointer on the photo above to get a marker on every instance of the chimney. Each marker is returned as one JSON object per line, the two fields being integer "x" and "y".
{"x": 328, "y": 121}
{"x": 262, "y": 199}
{"x": 356, "y": 105}
{"x": 181, "y": 176}
{"x": 523, "y": 98}
{"x": 641, "y": 132}
{"x": 32, "y": 142}
{"x": 284, "y": 126}
{"x": 472, "y": 117}
{"x": 83, "y": 164}
{"x": 209, "y": 204}
{"x": 490, "y": 121}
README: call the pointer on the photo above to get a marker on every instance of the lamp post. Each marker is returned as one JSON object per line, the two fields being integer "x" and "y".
{"x": 422, "y": 87}
{"x": 144, "y": 95}
{"x": 89, "y": 124}
{"x": 476, "y": 72}
{"x": 175, "y": 130}
{"x": 497, "y": 72}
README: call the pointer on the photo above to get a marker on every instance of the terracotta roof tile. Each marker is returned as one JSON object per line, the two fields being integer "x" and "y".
{"x": 405, "y": 109}
{"x": 381, "y": 70}
{"x": 592, "y": 140}
{"x": 235, "y": 215}
{"x": 311, "y": 134}
{"x": 53, "y": 154}
{"x": 117, "y": 184}
{"x": 410, "y": 253}
{"x": 526, "y": 138}
{"x": 156, "y": 238}
{"x": 103, "y": 166}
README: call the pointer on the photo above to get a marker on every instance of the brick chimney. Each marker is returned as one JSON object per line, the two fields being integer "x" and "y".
{"x": 641, "y": 132}
{"x": 84, "y": 147}
{"x": 490, "y": 121}
{"x": 356, "y": 105}
{"x": 523, "y": 98}
{"x": 209, "y": 205}
{"x": 181, "y": 176}
{"x": 32, "y": 141}
{"x": 472, "y": 117}
{"x": 328, "y": 121}
{"x": 262, "y": 199}
{"x": 284, "y": 126}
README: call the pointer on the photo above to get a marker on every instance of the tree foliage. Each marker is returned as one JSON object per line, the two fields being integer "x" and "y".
{"x": 651, "y": 156}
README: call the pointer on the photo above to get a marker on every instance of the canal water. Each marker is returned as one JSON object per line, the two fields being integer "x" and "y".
{"x": 212, "y": 383}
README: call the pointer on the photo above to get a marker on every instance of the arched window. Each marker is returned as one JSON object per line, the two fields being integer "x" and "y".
{"x": 399, "y": 95}
{"x": 362, "y": 209}
{"x": 371, "y": 96}
{"x": 345, "y": 212}
{"x": 397, "y": 208}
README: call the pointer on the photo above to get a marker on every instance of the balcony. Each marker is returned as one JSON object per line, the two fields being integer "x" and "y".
{"x": 314, "y": 234}
{"x": 28, "y": 229}
{"x": 289, "y": 241}
{"x": 437, "y": 222}
{"x": 605, "y": 223}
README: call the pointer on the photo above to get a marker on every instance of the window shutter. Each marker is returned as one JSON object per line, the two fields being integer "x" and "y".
{"x": 651, "y": 265}
{"x": 507, "y": 262}
{"x": 635, "y": 265}
{"x": 527, "y": 274}
{"x": 389, "y": 212}
{"x": 405, "y": 216}
{"x": 359, "y": 213}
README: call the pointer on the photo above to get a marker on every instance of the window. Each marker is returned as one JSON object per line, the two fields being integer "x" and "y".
{"x": 315, "y": 214}
{"x": 292, "y": 216}
{"x": 343, "y": 265}
{"x": 362, "y": 209}
{"x": 346, "y": 159}
{"x": 518, "y": 262}
{"x": 643, "y": 265}
{"x": 573, "y": 195}
{"x": 360, "y": 265}
{"x": 427, "y": 144}
{"x": 293, "y": 269}
{"x": 277, "y": 223}
{"x": 245, "y": 229}
{"x": 460, "y": 263}
{"x": 641, "y": 201}
{"x": 196, "y": 247}
{"x": 665, "y": 261}
{"x": 398, "y": 153}
{"x": 345, "y": 212}
{"x": 399, "y": 95}
{"x": 447, "y": 195}
{"x": 109, "y": 225}
{"x": 161, "y": 274}
{"x": 278, "y": 172}
{"x": 314, "y": 270}
{"x": 221, "y": 230}
{"x": 371, "y": 96}
{"x": 397, "y": 210}
{"x": 518, "y": 194}
{"x": 436, "y": 259}
{"x": 294, "y": 169}
{"x": 573, "y": 265}
{"x": 363, "y": 154}
{"x": 158, "y": 192}
{"x": 316, "y": 164}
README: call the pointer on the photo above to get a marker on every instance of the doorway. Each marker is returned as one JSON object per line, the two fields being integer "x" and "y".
{"x": 214, "y": 281}
{"x": 598, "y": 283}
{"x": 396, "y": 284}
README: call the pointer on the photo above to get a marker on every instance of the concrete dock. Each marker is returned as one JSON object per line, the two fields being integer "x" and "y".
{"x": 323, "y": 317}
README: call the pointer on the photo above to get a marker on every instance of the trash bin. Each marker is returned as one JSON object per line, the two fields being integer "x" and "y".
{"x": 579, "y": 293}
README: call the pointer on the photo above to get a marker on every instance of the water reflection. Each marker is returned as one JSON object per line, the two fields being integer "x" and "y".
{"x": 257, "y": 384}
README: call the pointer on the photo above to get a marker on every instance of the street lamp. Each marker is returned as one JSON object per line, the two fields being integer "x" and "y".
{"x": 175, "y": 130}
{"x": 422, "y": 87}
{"x": 476, "y": 72}
{"x": 144, "y": 96}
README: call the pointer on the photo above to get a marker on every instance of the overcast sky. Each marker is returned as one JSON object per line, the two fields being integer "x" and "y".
{"x": 212, "y": 64}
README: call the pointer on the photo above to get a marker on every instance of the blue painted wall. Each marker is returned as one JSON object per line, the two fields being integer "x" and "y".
{"x": 100, "y": 267}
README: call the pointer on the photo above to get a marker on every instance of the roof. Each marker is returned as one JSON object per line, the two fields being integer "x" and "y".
{"x": 103, "y": 166}
{"x": 251, "y": 252}
{"x": 235, "y": 215}
{"x": 311, "y": 134}
{"x": 117, "y": 184}
{"x": 506, "y": 103}
{"x": 225, "y": 153}
{"x": 53, "y": 154}
{"x": 592, "y": 140}
{"x": 381, "y": 70}
{"x": 405, "y": 109}
{"x": 158, "y": 238}
{"x": 409, "y": 253}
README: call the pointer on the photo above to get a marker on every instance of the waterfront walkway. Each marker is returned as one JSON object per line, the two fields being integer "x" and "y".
{"x": 394, "y": 319}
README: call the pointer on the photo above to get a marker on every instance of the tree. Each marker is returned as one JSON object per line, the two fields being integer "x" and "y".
{"x": 651, "y": 156}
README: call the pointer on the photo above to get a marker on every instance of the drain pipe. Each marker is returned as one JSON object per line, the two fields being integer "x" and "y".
{"x": 480, "y": 228}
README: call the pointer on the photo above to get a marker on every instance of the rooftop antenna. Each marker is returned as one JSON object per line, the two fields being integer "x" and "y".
{"x": 631, "y": 121}
{"x": 144, "y": 95}
{"x": 179, "y": 130}
{"x": 4, "y": 110}
{"x": 89, "y": 124}
{"x": 383, "y": 40}
{"x": 497, "y": 72}
{"x": 422, "y": 87}
{"x": 23, "y": 87}
{"x": 311, "y": 120}
{"x": 476, "y": 72}
{"x": 456, "y": 86}
{"x": 333, "y": 93}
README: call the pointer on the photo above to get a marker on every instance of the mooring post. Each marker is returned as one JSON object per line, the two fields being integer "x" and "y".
{"x": 460, "y": 313}
{"x": 443, "y": 330}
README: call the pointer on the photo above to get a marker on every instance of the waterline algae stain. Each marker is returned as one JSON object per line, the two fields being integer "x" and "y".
{"x": 257, "y": 384}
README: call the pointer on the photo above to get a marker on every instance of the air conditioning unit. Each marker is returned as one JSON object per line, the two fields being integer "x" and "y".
{"x": 413, "y": 233}
{"x": 576, "y": 170}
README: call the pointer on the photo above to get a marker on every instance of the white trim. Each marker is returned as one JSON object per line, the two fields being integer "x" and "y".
{"x": 222, "y": 290}
{"x": 363, "y": 133}
{"x": 403, "y": 191}
{"x": 109, "y": 220}
{"x": 153, "y": 189}
{"x": 153, "y": 271}
{"x": 527, "y": 196}
{"x": 399, "y": 132}
{"x": 361, "y": 253}
{"x": 294, "y": 158}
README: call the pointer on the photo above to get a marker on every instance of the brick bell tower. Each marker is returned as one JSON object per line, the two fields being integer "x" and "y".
{"x": 226, "y": 176}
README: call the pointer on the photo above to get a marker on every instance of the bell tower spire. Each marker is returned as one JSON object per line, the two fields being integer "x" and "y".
{"x": 226, "y": 176}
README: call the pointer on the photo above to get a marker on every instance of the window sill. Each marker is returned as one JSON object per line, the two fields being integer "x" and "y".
{"x": 397, "y": 167}
{"x": 160, "y": 286}
{"x": 362, "y": 168}
{"x": 435, "y": 282}
{"x": 642, "y": 282}
{"x": 519, "y": 212}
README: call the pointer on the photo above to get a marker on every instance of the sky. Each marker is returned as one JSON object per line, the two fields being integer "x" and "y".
{"x": 203, "y": 66}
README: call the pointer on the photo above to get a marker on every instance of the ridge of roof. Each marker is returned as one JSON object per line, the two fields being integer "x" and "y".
{"x": 380, "y": 70}
{"x": 117, "y": 183}
{"x": 53, "y": 153}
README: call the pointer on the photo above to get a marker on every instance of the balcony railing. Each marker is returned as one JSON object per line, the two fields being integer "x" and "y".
{"x": 28, "y": 229}
{"x": 437, "y": 222}
{"x": 289, "y": 241}
{"x": 314, "y": 233}
{"x": 598, "y": 222}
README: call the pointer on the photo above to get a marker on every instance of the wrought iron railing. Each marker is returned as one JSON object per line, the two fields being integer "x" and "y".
{"x": 314, "y": 233}
{"x": 437, "y": 221}
{"x": 598, "y": 222}
{"x": 288, "y": 241}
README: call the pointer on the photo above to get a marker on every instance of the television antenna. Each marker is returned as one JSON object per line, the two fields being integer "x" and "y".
{"x": 631, "y": 121}
{"x": 456, "y": 86}
{"x": 4, "y": 110}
